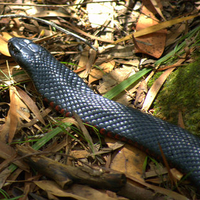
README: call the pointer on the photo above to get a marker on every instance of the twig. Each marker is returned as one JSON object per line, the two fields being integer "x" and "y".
{"x": 55, "y": 6}
{"x": 51, "y": 24}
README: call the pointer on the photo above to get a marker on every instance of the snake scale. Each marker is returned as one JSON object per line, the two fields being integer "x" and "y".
{"x": 55, "y": 82}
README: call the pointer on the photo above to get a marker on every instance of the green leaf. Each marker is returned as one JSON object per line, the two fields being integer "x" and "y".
{"x": 47, "y": 137}
{"x": 126, "y": 83}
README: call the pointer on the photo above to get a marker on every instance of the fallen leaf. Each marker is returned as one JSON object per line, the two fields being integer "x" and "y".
{"x": 155, "y": 28}
{"x": 13, "y": 119}
{"x": 87, "y": 192}
{"x": 31, "y": 104}
{"x": 154, "y": 43}
{"x": 155, "y": 88}
{"x": 158, "y": 84}
{"x": 55, "y": 189}
{"x": 4, "y": 37}
{"x": 158, "y": 7}
{"x": 129, "y": 161}
{"x": 7, "y": 152}
{"x": 97, "y": 74}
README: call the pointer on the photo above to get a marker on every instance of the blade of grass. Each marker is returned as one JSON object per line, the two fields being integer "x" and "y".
{"x": 155, "y": 28}
{"x": 126, "y": 83}
{"x": 41, "y": 142}
{"x": 171, "y": 54}
{"x": 48, "y": 137}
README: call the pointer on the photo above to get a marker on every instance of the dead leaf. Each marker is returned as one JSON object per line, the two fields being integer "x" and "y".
{"x": 50, "y": 13}
{"x": 157, "y": 85}
{"x": 155, "y": 28}
{"x": 55, "y": 189}
{"x": 148, "y": 4}
{"x": 4, "y": 176}
{"x": 176, "y": 174}
{"x": 12, "y": 120}
{"x": 158, "y": 7}
{"x": 79, "y": 154}
{"x": 4, "y": 43}
{"x": 153, "y": 43}
{"x": 180, "y": 120}
{"x": 130, "y": 161}
{"x": 87, "y": 192}
{"x": 97, "y": 74}
{"x": 107, "y": 84}
{"x": 99, "y": 13}
{"x": 84, "y": 59}
{"x": 7, "y": 151}
{"x": 31, "y": 104}
{"x": 160, "y": 190}
{"x": 141, "y": 94}
{"x": 155, "y": 88}
{"x": 177, "y": 30}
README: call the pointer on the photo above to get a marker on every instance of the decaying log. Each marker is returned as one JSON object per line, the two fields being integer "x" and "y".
{"x": 65, "y": 175}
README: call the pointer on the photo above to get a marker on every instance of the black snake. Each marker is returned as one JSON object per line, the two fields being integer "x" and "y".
{"x": 69, "y": 93}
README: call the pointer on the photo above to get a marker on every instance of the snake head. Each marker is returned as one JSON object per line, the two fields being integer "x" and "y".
{"x": 23, "y": 51}
{"x": 26, "y": 53}
{"x": 21, "y": 47}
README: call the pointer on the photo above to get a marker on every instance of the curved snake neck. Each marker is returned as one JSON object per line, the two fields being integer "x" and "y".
{"x": 60, "y": 85}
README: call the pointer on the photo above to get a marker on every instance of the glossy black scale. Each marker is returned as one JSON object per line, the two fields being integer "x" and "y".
{"x": 63, "y": 87}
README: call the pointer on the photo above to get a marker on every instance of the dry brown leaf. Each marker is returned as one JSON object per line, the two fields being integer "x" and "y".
{"x": 141, "y": 94}
{"x": 107, "y": 66}
{"x": 7, "y": 151}
{"x": 180, "y": 120}
{"x": 50, "y": 13}
{"x": 155, "y": 172}
{"x": 155, "y": 28}
{"x": 160, "y": 190}
{"x": 129, "y": 161}
{"x": 97, "y": 74}
{"x": 79, "y": 154}
{"x": 107, "y": 84}
{"x": 154, "y": 43}
{"x": 85, "y": 132}
{"x": 84, "y": 59}
{"x": 71, "y": 120}
{"x": 121, "y": 74}
{"x": 87, "y": 192}
{"x": 148, "y": 4}
{"x": 158, "y": 7}
{"x": 176, "y": 174}
{"x": 158, "y": 83}
{"x": 155, "y": 88}
{"x": 4, "y": 44}
{"x": 4, "y": 37}
{"x": 12, "y": 120}
{"x": 4, "y": 129}
{"x": 113, "y": 78}
{"x": 15, "y": 105}
{"x": 175, "y": 32}
{"x": 4, "y": 176}
{"x": 31, "y": 104}
{"x": 90, "y": 62}
{"x": 56, "y": 190}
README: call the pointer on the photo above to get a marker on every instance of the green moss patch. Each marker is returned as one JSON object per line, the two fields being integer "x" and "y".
{"x": 181, "y": 93}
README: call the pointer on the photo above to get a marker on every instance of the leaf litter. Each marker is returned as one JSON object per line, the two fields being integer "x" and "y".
{"x": 125, "y": 34}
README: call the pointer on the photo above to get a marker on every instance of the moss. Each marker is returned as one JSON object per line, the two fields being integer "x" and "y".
{"x": 181, "y": 93}
{"x": 152, "y": 80}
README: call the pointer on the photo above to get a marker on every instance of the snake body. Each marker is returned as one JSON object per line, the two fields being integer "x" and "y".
{"x": 69, "y": 93}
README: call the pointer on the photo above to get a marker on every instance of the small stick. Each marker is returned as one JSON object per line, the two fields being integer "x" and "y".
{"x": 51, "y": 24}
